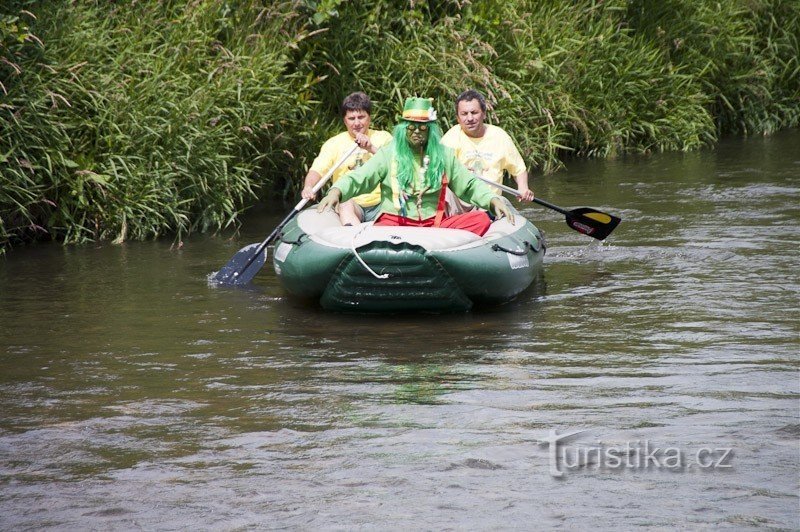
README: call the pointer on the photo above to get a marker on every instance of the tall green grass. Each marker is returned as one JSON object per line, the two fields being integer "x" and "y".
{"x": 744, "y": 55}
{"x": 133, "y": 120}
{"x": 583, "y": 82}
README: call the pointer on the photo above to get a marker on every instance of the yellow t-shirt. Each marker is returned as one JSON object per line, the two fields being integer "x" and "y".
{"x": 333, "y": 150}
{"x": 487, "y": 156}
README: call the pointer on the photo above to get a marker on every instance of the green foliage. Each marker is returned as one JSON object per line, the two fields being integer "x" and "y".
{"x": 744, "y": 55}
{"x": 137, "y": 121}
{"x": 580, "y": 81}
{"x": 132, "y": 120}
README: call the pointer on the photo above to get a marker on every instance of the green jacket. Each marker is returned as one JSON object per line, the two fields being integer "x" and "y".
{"x": 379, "y": 171}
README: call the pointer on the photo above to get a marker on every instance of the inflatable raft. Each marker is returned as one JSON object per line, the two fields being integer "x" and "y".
{"x": 366, "y": 268}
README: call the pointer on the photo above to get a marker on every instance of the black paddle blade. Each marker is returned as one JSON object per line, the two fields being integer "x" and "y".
{"x": 591, "y": 222}
{"x": 232, "y": 272}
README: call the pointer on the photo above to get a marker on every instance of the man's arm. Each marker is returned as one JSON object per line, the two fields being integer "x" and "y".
{"x": 364, "y": 178}
{"x": 525, "y": 193}
{"x": 514, "y": 164}
{"x": 312, "y": 178}
{"x": 322, "y": 163}
{"x": 360, "y": 180}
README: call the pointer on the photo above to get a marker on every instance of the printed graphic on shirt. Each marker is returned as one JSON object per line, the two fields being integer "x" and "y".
{"x": 477, "y": 161}
{"x": 487, "y": 157}
{"x": 358, "y": 161}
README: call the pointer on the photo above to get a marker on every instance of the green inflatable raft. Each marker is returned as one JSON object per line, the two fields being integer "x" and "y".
{"x": 394, "y": 269}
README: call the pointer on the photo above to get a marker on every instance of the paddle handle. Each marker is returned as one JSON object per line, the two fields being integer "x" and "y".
{"x": 516, "y": 193}
{"x": 297, "y": 208}
{"x": 550, "y": 206}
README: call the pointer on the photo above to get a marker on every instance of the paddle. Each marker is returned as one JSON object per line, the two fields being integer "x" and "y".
{"x": 585, "y": 220}
{"x": 247, "y": 262}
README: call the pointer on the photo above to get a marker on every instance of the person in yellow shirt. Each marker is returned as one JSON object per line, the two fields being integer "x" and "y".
{"x": 356, "y": 109}
{"x": 485, "y": 149}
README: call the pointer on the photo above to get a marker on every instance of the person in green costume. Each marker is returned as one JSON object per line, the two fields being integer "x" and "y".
{"x": 412, "y": 171}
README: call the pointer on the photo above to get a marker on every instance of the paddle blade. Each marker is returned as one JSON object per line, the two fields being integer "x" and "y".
{"x": 591, "y": 222}
{"x": 237, "y": 270}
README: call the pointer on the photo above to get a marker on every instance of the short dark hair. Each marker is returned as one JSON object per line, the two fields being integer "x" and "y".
{"x": 469, "y": 95}
{"x": 357, "y": 101}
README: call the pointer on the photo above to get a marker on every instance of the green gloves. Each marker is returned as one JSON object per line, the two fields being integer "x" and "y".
{"x": 331, "y": 201}
{"x": 501, "y": 209}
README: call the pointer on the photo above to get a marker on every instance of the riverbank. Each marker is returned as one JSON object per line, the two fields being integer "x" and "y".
{"x": 167, "y": 118}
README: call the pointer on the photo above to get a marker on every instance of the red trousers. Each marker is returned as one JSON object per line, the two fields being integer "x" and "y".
{"x": 475, "y": 221}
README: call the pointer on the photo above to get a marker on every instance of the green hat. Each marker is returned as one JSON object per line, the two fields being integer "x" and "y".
{"x": 419, "y": 110}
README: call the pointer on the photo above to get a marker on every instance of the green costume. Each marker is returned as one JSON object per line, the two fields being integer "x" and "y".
{"x": 381, "y": 170}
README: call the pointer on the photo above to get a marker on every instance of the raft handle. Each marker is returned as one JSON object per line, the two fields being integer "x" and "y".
{"x": 497, "y": 247}
{"x": 297, "y": 242}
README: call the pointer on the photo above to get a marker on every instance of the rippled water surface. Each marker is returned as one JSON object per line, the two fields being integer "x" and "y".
{"x": 133, "y": 395}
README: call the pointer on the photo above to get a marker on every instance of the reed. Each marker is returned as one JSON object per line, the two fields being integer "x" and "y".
{"x": 744, "y": 55}
{"x": 157, "y": 118}
{"x": 165, "y": 117}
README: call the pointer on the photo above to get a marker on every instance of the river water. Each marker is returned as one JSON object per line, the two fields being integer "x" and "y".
{"x": 134, "y": 395}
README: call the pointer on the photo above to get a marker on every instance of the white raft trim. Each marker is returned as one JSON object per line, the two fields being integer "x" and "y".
{"x": 325, "y": 229}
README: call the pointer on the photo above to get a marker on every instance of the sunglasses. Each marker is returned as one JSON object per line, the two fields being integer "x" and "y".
{"x": 417, "y": 127}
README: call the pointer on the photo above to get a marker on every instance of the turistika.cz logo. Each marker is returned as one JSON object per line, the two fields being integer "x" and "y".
{"x": 638, "y": 454}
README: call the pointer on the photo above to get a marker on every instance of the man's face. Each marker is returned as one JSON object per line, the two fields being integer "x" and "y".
{"x": 417, "y": 134}
{"x": 356, "y": 122}
{"x": 471, "y": 117}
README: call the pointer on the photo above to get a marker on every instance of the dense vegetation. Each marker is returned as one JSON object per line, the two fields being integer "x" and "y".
{"x": 131, "y": 120}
